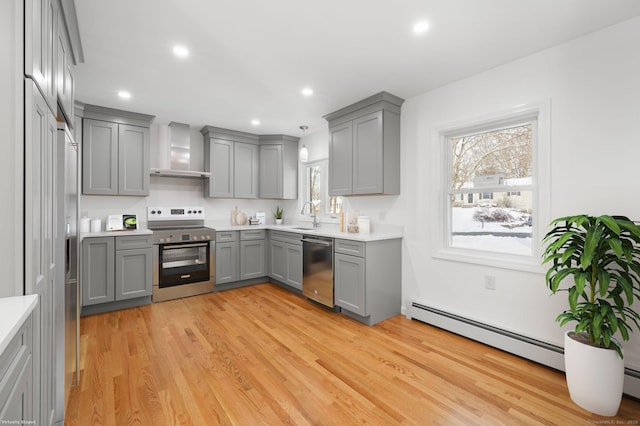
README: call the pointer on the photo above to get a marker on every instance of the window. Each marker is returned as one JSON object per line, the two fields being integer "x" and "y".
{"x": 490, "y": 186}
{"x": 316, "y": 185}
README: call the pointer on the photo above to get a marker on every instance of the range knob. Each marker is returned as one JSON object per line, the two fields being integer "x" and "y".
{"x": 159, "y": 211}
{"x": 153, "y": 212}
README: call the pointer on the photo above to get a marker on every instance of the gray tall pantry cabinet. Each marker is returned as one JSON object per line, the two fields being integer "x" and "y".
{"x": 115, "y": 152}
{"x": 364, "y": 147}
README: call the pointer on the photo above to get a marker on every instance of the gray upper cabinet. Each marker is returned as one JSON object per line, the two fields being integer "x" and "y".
{"x": 232, "y": 158}
{"x": 341, "y": 159}
{"x": 65, "y": 78}
{"x": 279, "y": 167}
{"x": 245, "y": 170}
{"x": 133, "y": 160}
{"x": 41, "y": 23}
{"x": 364, "y": 147}
{"x": 116, "y": 150}
{"x": 218, "y": 159}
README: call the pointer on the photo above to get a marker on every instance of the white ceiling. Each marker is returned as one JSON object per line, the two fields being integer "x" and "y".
{"x": 251, "y": 58}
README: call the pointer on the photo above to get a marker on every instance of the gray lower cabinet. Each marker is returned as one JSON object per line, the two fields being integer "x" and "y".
{"x": 115, "y": 152}
{"x": 253, "y": 254}
{"x": 364, "y": 147}
{"x": 227, "y": 257}
{"x": 240, "y": 255}
{"x": 16, "y": 373}
{"x": 116, "y": 268}
{"x": 367, "y": 278}
{"x": 285, "y": 258}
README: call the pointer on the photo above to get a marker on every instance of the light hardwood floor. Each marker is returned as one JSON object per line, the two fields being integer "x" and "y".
{"x": 263, "y": 355}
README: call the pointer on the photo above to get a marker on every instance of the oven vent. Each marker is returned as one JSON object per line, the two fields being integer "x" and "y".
{"x": 175, "y": 146}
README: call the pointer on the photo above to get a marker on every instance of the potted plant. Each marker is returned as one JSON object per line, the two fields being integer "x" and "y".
{"x": 278, "y": 215}
{"x": 602, "y": 256}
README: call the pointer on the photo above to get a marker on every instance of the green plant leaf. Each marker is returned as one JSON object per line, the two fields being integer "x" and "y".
{"x": 616, "y": 246}
{"x": 610, "y": 223}
{"x": 591, "y": 242}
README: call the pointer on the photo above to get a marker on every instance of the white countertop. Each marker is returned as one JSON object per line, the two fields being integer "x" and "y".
{"x": 115, "y": 233}
{"x": 381, "y": 233}
{"x": 13, "y": 312}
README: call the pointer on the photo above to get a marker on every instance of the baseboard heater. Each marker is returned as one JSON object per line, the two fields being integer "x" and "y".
{"x": 517, "y": 344}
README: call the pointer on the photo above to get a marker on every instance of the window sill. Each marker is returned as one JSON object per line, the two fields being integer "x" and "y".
{"x": 497, "y": 260}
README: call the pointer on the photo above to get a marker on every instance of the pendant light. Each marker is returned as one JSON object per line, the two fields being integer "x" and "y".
{"x": 304, "y": 152}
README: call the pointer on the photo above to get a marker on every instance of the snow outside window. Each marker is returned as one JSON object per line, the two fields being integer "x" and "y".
{"x": 491, "y": 193}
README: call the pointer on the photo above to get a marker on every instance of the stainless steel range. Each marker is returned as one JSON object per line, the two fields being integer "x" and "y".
{"x": 183, "y": 252}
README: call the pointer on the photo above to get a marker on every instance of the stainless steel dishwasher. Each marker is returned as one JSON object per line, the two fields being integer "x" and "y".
{"x": 317, "y": 269}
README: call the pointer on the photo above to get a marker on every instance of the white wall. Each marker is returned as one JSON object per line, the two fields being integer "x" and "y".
{"x": 12, "y": 158}
{"x": 594, "y": 89}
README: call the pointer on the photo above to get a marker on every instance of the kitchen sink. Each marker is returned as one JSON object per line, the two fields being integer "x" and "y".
{"x": 302, "y": 228}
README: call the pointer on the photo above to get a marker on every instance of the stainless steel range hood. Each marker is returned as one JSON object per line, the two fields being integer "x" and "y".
{"x": 178, "y": 151}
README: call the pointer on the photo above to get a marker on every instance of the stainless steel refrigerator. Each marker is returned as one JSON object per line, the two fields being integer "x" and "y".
{"x": 67, "y": 292}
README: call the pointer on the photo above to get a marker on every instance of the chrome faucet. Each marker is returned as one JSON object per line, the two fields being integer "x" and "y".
{"x": 312, "y": 211}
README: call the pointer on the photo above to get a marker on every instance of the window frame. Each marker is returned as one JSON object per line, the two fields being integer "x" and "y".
{"x": 540, "y": 185}
{"x": 324, "y": 188}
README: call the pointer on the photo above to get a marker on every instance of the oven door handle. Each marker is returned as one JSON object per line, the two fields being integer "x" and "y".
{"x": 179, "y": 246}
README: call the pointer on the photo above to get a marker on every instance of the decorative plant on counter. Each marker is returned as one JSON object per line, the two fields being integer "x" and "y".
{"x": 278, "y": 213}
{"x": 602, "y": 254}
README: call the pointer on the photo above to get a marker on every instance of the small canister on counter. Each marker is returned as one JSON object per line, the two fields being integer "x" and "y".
{"x": 364, "y": 224}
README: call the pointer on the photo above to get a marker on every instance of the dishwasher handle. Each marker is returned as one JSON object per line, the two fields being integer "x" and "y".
{"x": 319, "y": 242}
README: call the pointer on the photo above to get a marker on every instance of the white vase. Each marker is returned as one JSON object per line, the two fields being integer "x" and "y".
{"x": 595, "y": 376}
{"x": 278, "y": 221}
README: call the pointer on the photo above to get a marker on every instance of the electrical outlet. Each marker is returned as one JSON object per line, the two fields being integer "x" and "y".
{"x": 490, "y": 282}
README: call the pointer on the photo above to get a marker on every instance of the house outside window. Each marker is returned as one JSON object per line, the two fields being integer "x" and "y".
{"x": 496, "y": 162}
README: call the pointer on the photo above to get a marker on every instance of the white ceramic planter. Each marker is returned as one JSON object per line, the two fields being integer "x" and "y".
{"x": 278, "y": 221}
{"x": 595, "y": 376}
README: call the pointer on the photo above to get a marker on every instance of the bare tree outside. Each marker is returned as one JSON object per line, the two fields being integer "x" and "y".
{"x": 505, "y": 151}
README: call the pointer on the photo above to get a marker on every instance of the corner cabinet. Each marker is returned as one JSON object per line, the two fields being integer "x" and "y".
{"x": 364, "y": 147}
{"x": 115, "y": 152}
{"x": 367, "y": 279}
{"x": 116, "y": 269}
{"x": 232, "y": 158}
{"x": 279, "y": 167}
{"x": 240, "y": 255}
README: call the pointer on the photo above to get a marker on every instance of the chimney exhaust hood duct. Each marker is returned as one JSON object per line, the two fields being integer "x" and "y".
{"x": 179, "y": 153}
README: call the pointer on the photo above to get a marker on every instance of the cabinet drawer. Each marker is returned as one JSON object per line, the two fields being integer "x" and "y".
{"x": 254, "y": 234}
{"x": 226, "y": 236}
{"x": 286, "y": 237}
{"x": 14, "y": 357}
{"x": 133, "y": 242}
{"x": 354, "y": 248}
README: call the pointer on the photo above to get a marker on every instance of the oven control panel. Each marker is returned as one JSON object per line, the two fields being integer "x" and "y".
{"x": 175, "y": 213}
{"x": 176, "y": 236}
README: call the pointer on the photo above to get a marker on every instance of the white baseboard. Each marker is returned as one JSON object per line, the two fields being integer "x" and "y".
{"x": 532, "y": 349}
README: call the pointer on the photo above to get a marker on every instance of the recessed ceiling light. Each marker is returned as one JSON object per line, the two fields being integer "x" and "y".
{"x": 124, "y": 94}
{"x": 307, "y": 91}
{"x": 420, "y": 27}
{"x": 255, "y": 122}
{"x": 180, "y": 51}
